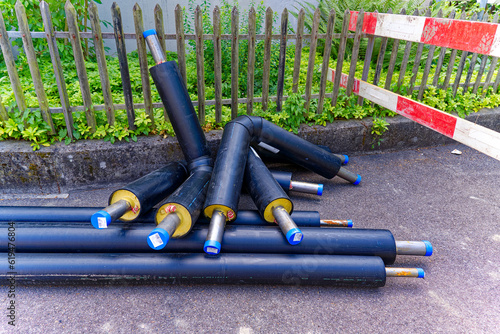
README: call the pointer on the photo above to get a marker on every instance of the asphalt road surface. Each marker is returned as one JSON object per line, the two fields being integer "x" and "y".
{"x": 424, "y": 194}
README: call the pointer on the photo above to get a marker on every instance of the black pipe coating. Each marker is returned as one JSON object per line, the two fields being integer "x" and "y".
{"x": 58, "y": 237}
{"x": 368, "y": 271}
{"x": 181, "y": 113}
{"x": 150, "y": 189}
{"x": 57, "y": 214}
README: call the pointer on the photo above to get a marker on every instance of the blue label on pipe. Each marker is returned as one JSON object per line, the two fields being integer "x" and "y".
{"x": 158, "y": 238}
{"x": 421, "y": 273}
{"x": 212, "y": 247}
{"x": 294, "y": 236}
{"x": 149, "y": 33}
{"x": 100, "y": 219}
{"x": 428, "y": 248}
{"x": 320, "y": 189}
{"x": 358, "y": 180}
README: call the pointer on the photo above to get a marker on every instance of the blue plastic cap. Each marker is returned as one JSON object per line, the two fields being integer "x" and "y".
{"x": 294, "y": 236}
{"x": 101, "y": 219}
{"x": 421, "y": 273}
{"x": 212, "y": 247}
{"x": 358, "y": 180}
{"x": 428, "y": 247}
{"x": 320, "y": 189}
{"x": 346, "y": 160}
{"x": 158, "y": 238}
{"x": 349, "y": 223}
{"x": 149, "y": 32}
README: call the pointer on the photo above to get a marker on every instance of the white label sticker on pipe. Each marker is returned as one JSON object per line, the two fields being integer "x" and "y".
{"x": 212, "y": 250}
{"x": 156, "y": 239}
{"x": 101, "y": 221}
{"x": 297, "y": 237}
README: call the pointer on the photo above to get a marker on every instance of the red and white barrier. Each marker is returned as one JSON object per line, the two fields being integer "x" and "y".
{"x": 478, "y": 137}
{"x": 477, "y": 37}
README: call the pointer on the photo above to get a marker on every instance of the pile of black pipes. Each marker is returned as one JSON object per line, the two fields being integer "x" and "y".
{"x": 271, "y": 245}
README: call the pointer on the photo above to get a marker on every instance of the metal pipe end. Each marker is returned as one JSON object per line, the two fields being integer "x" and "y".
{"x": 346, "y": 160}
{"x": 101, "y": 219}
{"x": 158, "y": 238}
{"x": 212, "y": 247}
{"x": 405, "y": 272}
{"x": 336, "y": 223}
{"x": 294, "y": 236}
{"x": 416, "y": 248}
{"x": 149, "y": 32}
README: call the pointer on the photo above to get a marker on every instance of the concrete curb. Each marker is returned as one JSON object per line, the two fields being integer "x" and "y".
{"x": 60, "y": 168}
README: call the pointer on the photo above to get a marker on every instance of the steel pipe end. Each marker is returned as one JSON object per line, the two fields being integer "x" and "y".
{"x": 358, "y": 180}
{"x": 349, "y": 223}
{"x": 212, "y": 247}
{"x": 320, "y": 189}
{"x": 158, "y": 238}
{"x": 149, "y": 32}
{"x": 101, "y": 219}
{"x": 421, "y": 273}
{"x": 346, "y": 161}
{"x": 294, "y": 236}
{"x": 428, "y": 248}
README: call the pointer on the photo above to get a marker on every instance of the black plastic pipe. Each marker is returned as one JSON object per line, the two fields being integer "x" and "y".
{"x": 271, "y": 154}
{"x": 366, "y": 271}
{"x": 55, "y": 214}
{"x": 180, "y": 211}
{"x": 72, "y": 238}
{"x": 138, "y": 197}
{"x": 271, "y": 200}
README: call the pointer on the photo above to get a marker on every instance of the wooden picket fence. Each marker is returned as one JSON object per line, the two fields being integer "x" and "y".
{"x": 74, "y": 35}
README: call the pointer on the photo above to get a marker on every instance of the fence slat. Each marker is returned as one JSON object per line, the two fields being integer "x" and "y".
{"x": 493, "y": 65}
{"x": 3, "y": 113}
{"x": 355, "y": 52}
{"x": 160, "y": 29}
{"x": 11, "y": 66}
{"x": 381, "y": 56}
{"x": 484, "y": 59}
{"x": 43, "y": 103}
{"x": 406, "y": 57}
{"x": 392, "y": 61}
{"x": 251, "y": 58}
{"x": 181, "y": 44}
{"x": 235, "y": 48}
{"x": 442, "y": 54}
{"x": 461, "y": 65}
{"x": 472, "y": 65}
{"x": 497, "y": 82}
{"x": 367, "y": 62}
{"x": 416, "y": 64}
{"x": 282, "y": 60}
{"x": 200, "y": 65}
{"x": 428, "y": 64}
{"x": 312, "y": 53}
{"x": 267, "y": 57}
{"x": 340, "y": 56}
{"x": 101, "y": 63}
{"x": 298, "y": 50}
{"x": 451, "y": 63}
{"x": 56, "y": 64}
{"x": 80, "y": 64}
{"x": 123, "y": 62}
{"x": 217, "y": 65}
{"x": 326, "y": 60}
{"x": 143, "y": 63}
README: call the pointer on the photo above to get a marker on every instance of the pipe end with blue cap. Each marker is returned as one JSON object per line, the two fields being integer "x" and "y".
{"x": 158, "y": 238}
{"x": 149, "y": 32}
{"x": 212, "y": 247}
{"x": 320, "y": 189}
{"x": 349, "y": 223}
{"x": 294, "y": 236}
{"x": 421, "y": 273}
{"x": 101, "y": 219}
{"x": 358, "y": 180}
{"x": 428, "y": 248}
{"x": 346, "y": 160}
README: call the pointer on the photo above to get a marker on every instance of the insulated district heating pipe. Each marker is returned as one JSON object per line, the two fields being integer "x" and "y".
{"x": 271, "y": 200}
{"x": 75, "y": 237}
{"x": 57, "y": 214}
{"x": 138, "y": 197}
{"x": 368, "y": 271}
